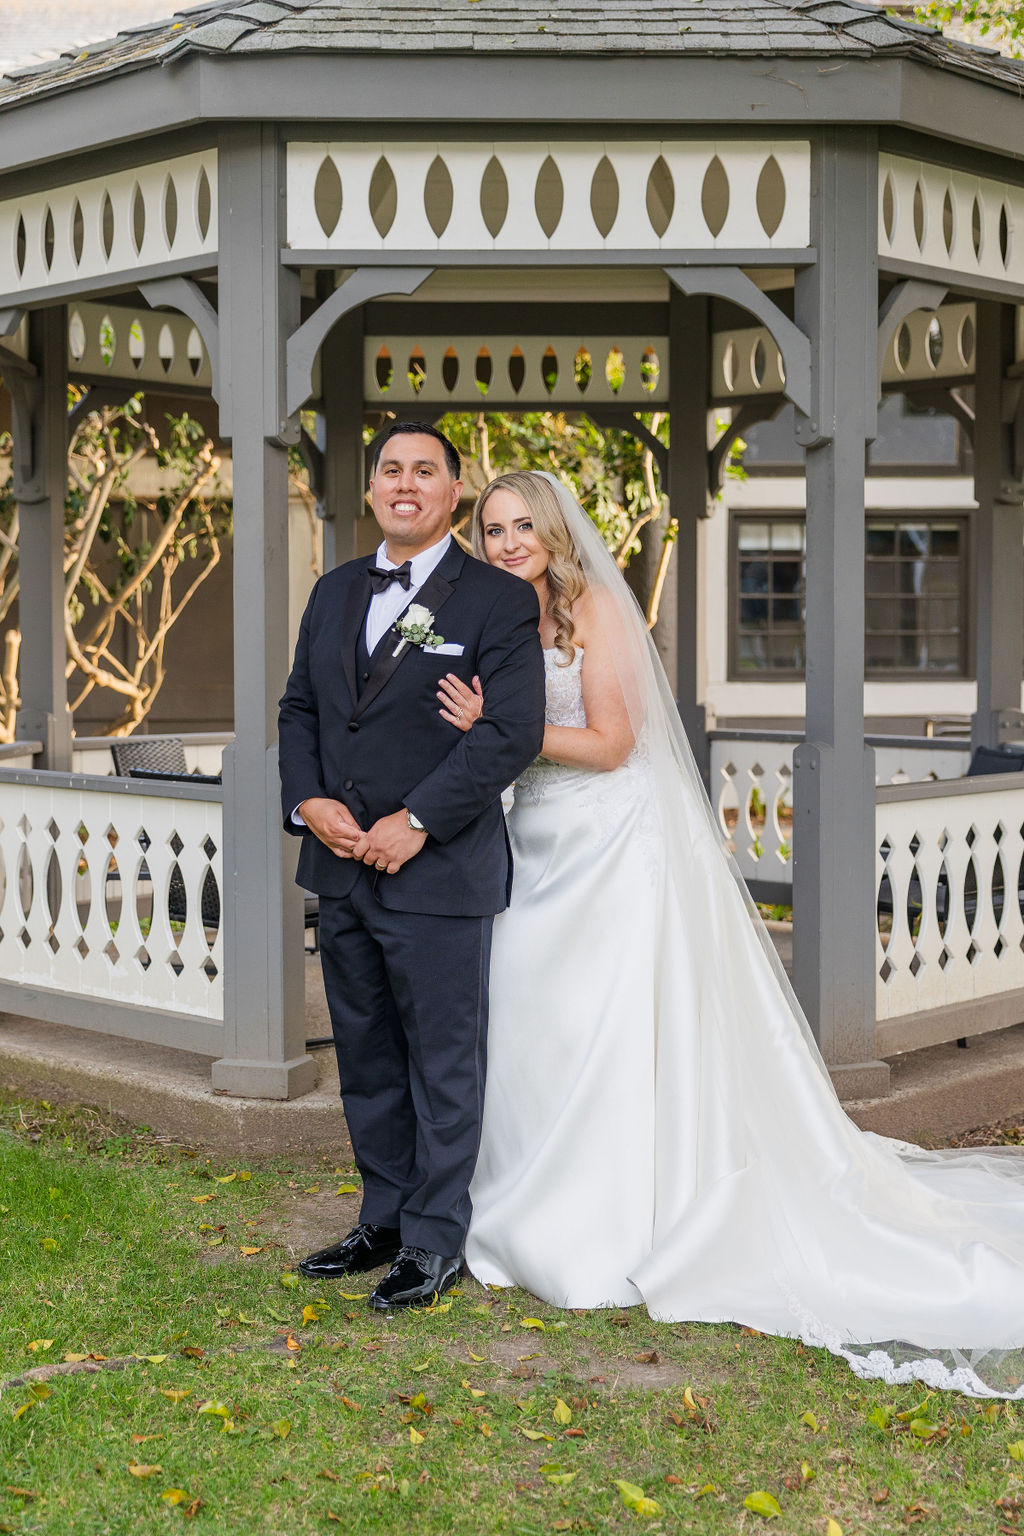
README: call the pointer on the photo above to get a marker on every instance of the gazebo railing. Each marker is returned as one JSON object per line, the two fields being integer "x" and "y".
{"x": 102, "y": 888}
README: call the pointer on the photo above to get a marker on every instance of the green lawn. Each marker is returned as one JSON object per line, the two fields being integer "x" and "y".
{"x": 263, "y": 1403}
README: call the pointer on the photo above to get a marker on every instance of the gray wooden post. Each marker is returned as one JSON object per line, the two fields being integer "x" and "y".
{"x": 40, "y": 482}
{"x": 834, "y": 782}
{"x": 689, "y": 375}
{"x": 341, "y": 367}
{"x": 264, "y": 1006}
{"x": 998, "y": 566}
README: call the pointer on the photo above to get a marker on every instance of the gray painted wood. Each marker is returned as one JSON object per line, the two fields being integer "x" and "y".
{"x": 341, "y": 367}
{"x": 264, "y": 998}
{"x": 998, "y": 563}
{"x": 689, "y": 380}
{"x": 834, "y": 781}
{"x": 40, "y": 485}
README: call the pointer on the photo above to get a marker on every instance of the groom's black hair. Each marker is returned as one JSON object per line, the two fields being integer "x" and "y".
{"x": 422, "y": 429}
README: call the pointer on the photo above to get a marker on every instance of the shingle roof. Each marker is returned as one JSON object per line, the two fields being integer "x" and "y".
{"x": 786, "y": 28}
{"x": 34, "y": 30}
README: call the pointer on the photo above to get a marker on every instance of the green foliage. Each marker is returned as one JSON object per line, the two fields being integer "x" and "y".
{"x": 996, "y": 21}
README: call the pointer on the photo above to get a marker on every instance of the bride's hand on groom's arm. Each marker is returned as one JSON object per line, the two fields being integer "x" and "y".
{"x": 333, "y": 823}
{"x": 461, "y": 705}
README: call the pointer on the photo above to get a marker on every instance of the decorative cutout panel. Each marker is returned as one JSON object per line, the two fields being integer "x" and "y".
{"x": 495, "y": 372}
{"x": 113, "y": 896}
{"x": 127, "y": 221}
{"x": 147, "y": 346}
{"x": 411, "y": 196}
{"x": 959, "y": 224}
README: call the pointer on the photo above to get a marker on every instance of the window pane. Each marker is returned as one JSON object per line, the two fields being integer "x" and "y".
{"x": 754, "y": 612}
{"x": 910, "y": 652}
{"x": 881, "y": 613}
{"x": 787, "y": 576}
{"x": 750, "y": 653}
{"x": 753, "y": 537}
{"x": 943, "y": 653}
{"x": 786, "y": 610}
{"x": 913, "y": 539}
{"x": 946, "y": 540}
{"x": 881, "y": 539}
{"x": 753, "y": 576}
{"x": 943, "y": 576}
{"x": 880, "y": 575}
{"x": 878, "y": 652}
{"x": 943, "y": 614}
{"x": 787, "y": 536}
{"x": 787, "y": 653}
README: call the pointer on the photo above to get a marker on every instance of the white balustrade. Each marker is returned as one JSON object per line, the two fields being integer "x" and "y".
{"x": 958, "y": 223}
{"x": 752, "y": 783}
{"x": 102, "y": 891}
{"x": 123, "y": 222}
{"x": 503, "y": 371}
{"x": 144, "y": 346}
{"x": 537, "y": 196}
{"x": 949, "y": 865}
{"x": 932, "y": 344}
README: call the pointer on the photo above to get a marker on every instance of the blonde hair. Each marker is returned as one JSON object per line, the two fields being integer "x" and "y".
{"x": 564, "y": 575}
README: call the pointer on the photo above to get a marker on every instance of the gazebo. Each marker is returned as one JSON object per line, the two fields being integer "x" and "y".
{"x": 605, "y": 205}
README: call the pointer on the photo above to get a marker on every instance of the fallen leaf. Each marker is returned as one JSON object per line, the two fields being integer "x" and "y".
{"x": 292, "y": 1343}
{"x": 244, "y": 1174}
{"x": 534, "y": 1434}
{"x": 469, "y": 1352}
{"x": 415, "y": 1438}
{"x": 703, "y": 1492}
{"x": 24, "y": 1408}
{"x": 880, "y": 1415}
{"x": 575, "y": 1434}
{"x": 330, "y": 1476}
{"x": 49, "y": 1243}
{"x": 535, "y": 1322}
{"x": 70, "y": 1358}
{"x": 807, "y": 1472}
{"x": 561, "y": 1413}
{"x": 173, "y": 1395}
{"x": 880, "y": 1496}
{"x": 141, "y": 1439}
{"x": 191, "y": 1510}
{"x": 1016, "y": 1450}
{"x": 289, "y": 1280}
{"x": 309, "y": 1315}
{"x": 353, "y": 1295}
{"x": 140, "y": 1469}
{"x": 202, "y": 1199}
{"x": 352, "y": 1407}
{"x": 926, "y": 1429}
{"x": 347, "y": 1189}
{"x": 473, "y": 1391}
{"x": 486, "y": 1431}
{"x": 174, "y": 1495}
{"x": 211, "y": 1406}
{"x": 152, "y": 1359}
{"x": 21, "y": 1493}
{"x": 671, "y": 1478}
{"x": 247, "y": 1252}
{"x": 39, "y": 1346}
{"x": 833, "y": 1528}
{"x": 761, "y": 1503}
{"x": 635, "y": 1499}
{"x": 811, "y": 1422}
{"x": 648, "y": 1357}
{"x": 282, "y": 1428}
{"x": 225, "y": 1178}
{"x": 193, "y": 1352}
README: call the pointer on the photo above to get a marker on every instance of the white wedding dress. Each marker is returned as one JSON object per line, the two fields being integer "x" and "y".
{"x": 658, "y": 1124}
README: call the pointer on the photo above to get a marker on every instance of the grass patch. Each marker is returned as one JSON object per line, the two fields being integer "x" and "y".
{"x": 272, "y": 1405}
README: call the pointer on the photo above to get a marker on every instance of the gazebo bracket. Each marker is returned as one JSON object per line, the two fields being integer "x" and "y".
{"x": 747, "y": 416}
{"x": 913, "y": 293}
{"x": 25, "y": 388}
{"x": 304, "y": 343}
{"x": 626, "y": 421}
{"x": 10, "y": 319}
{"x": 733, "y": 284}
{"x": 183, "y": 294}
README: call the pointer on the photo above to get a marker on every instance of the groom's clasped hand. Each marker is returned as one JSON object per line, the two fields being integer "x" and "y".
{"x": 387, "y": 845}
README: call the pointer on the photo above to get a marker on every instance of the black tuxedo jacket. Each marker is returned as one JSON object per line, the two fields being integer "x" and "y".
{"x": 378, "y": 742}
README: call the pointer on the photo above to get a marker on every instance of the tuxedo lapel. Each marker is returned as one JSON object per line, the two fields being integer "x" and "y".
{"x": 353, "y": 614}
{"x": 433, "y": 594}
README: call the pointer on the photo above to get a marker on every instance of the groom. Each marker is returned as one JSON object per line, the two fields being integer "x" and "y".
{"x": 403, "y": 838}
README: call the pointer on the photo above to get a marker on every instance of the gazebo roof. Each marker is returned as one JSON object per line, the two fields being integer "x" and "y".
{"x": 712, "y": 28}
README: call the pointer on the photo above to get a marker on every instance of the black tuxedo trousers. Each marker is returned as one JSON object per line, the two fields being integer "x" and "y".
{"x": 406, "y": 956}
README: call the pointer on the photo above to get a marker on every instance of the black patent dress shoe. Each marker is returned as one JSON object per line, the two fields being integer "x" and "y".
{"x": 416, "y": 1279}
{"x": 366, "y": 1247}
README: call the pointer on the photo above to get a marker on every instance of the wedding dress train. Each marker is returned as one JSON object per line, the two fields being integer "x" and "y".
{"x": 658, "y": 1124}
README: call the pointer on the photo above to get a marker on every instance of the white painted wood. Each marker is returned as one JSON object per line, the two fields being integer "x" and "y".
{"x": 973, "y": 951}
{"x": 521, "y": 162}
{"x": 94, "y": 839}
{"x": 973, "y": 200}
{"x": 401, "y": 388}
{"x": 143, "y": 345}
{"x": 60, "y": 204}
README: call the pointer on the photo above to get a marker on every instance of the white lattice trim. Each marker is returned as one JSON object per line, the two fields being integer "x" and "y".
{"x": 127, "y": 221}
{"x": 540, "y": 195}
{"x": 950, "y": 220}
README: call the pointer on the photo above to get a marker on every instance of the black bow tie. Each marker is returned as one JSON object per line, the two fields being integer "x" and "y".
{"x": 381, "y": 580}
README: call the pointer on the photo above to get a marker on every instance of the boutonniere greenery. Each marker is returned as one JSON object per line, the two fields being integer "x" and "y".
{"x": 416, "y": 627}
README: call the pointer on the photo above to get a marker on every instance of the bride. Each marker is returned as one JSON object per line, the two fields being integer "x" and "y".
{"x": 659, "y": 1126}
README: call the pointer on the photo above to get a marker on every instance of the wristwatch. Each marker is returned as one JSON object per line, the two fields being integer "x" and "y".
{"x": 414, "y": 821}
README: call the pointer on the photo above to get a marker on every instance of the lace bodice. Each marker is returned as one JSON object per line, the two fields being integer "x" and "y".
{"x": 563, "y": 689}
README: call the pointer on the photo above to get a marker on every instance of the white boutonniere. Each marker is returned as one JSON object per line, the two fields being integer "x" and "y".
{"x": 416, "y": 627}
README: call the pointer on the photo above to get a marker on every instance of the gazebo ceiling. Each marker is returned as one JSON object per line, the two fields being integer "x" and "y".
{"x": 817, "y": 29}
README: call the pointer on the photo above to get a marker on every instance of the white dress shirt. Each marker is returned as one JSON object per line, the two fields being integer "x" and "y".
{"x": 386, "y": 606}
